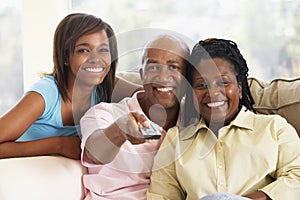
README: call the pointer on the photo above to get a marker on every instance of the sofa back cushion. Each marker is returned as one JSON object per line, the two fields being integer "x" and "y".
{"x": 280, "y": 96}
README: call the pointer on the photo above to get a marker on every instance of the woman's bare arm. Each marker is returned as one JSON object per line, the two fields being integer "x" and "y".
{"x": 68, "y": 146}
{"x": 16, "y": 121}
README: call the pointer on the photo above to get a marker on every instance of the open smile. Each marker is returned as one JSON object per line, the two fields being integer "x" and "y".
{"x": 164, "y": 89}
{"x": 215, "y": 104}
{"x": 94, "y": 69}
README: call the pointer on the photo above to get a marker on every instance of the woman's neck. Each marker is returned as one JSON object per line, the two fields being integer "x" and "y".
{"x": 216, "y": 126}
{"x": 80, "y": 96}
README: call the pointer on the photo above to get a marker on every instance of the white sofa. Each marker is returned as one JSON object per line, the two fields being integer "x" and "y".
{"x": 59, "y": 178}
{"x": 41, "y": 178}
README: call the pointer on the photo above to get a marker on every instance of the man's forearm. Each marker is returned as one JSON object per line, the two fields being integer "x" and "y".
{"x": 102, "y": 146}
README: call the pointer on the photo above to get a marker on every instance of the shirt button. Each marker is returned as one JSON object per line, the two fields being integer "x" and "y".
{"x": 221, "y": 183}
{"x": 220, "y": 166}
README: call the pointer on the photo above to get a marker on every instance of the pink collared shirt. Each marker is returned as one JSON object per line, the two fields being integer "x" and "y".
{"x": 128, "y": 175}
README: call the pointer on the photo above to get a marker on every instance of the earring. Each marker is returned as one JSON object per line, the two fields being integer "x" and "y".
{"x": 66, "y": 64}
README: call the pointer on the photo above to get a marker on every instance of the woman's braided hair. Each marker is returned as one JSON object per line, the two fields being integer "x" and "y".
{"x": 228, "y": 50}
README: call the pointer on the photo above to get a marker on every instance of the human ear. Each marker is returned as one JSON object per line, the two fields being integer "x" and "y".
{"x": 141, "y": 73}
{"x": 66, "y": 62}
{"x": 240, "y": 90}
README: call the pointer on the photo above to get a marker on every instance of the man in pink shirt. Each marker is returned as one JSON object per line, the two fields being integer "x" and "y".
{"x": 118, "y": 156}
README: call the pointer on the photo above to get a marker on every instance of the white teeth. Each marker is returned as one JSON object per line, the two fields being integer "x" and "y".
{"x": 165, "y": 89}
{"x": 215, "y": 104}
{"x": 95, "y": 69}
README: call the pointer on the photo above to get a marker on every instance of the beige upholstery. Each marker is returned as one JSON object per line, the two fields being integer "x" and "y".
{"x": 132, "y": 76}
{"x": 280, "y": 96}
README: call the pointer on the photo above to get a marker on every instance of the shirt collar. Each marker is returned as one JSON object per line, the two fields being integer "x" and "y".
{"x": 244, "y": 120}
{"x": 190, "y": 131}
{"x": 133, "y": 103}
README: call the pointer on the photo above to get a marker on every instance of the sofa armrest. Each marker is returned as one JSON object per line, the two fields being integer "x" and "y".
{"x": 42, "y": 177}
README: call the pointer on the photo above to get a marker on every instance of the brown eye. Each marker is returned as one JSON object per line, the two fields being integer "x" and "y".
{"x": 82, "y": 51}
{"x": 153, "y": 67}
{"x": 223, "y": 83}
{"x": 173, "y": 67}
{"x": 201, "y": 86}
{"x": 103, "y": 50}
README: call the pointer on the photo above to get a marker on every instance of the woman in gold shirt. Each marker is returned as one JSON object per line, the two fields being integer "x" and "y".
{"x": 230, "y": 149}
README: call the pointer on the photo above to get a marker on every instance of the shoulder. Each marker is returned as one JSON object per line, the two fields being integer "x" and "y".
{"x": 269, "y": 118}
{"x": 46, "y": 81}
{"x": 173, "y": 132}
{"x": 275, "y": 124}
{"x": 46, "y": 86}
{"x": 178, "y": 134}
{"x": 123, "y": 104}
{"x": 183, "y": 133}
{"x": 48, "y": 89}
{"x": 254, "y": 120}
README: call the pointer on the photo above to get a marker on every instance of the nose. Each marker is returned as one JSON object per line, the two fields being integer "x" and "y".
{"x": 215, "y": 90}
{"x": 164, "y": 75}
{"x": 94, "y": 57}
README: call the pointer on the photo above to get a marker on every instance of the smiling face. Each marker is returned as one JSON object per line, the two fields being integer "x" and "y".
{"x": 217, "y": 90}
{"x": 163, "y": 73}
{"x": 90, "y": 61}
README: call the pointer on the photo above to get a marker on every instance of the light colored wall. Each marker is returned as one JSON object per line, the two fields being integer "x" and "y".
{"x": 40, "y": 18}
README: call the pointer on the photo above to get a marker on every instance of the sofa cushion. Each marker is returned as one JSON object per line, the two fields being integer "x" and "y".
{"x": 280, "y": 96}
{"x": 42, "y": 177}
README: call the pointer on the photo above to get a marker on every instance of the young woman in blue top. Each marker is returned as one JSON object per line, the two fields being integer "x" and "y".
{"x": 44, "y": 121}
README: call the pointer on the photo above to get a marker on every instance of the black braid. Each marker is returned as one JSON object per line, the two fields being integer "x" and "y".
{"x": 228, "y": 50}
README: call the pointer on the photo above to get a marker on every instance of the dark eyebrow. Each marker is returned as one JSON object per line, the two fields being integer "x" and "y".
{"x": 87, "y": 44}
{"x": 82, "y": 44}
{"x": 104, "y": 44}
{"x": 149, "y": 60}
{"x": 172, "y": 61}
